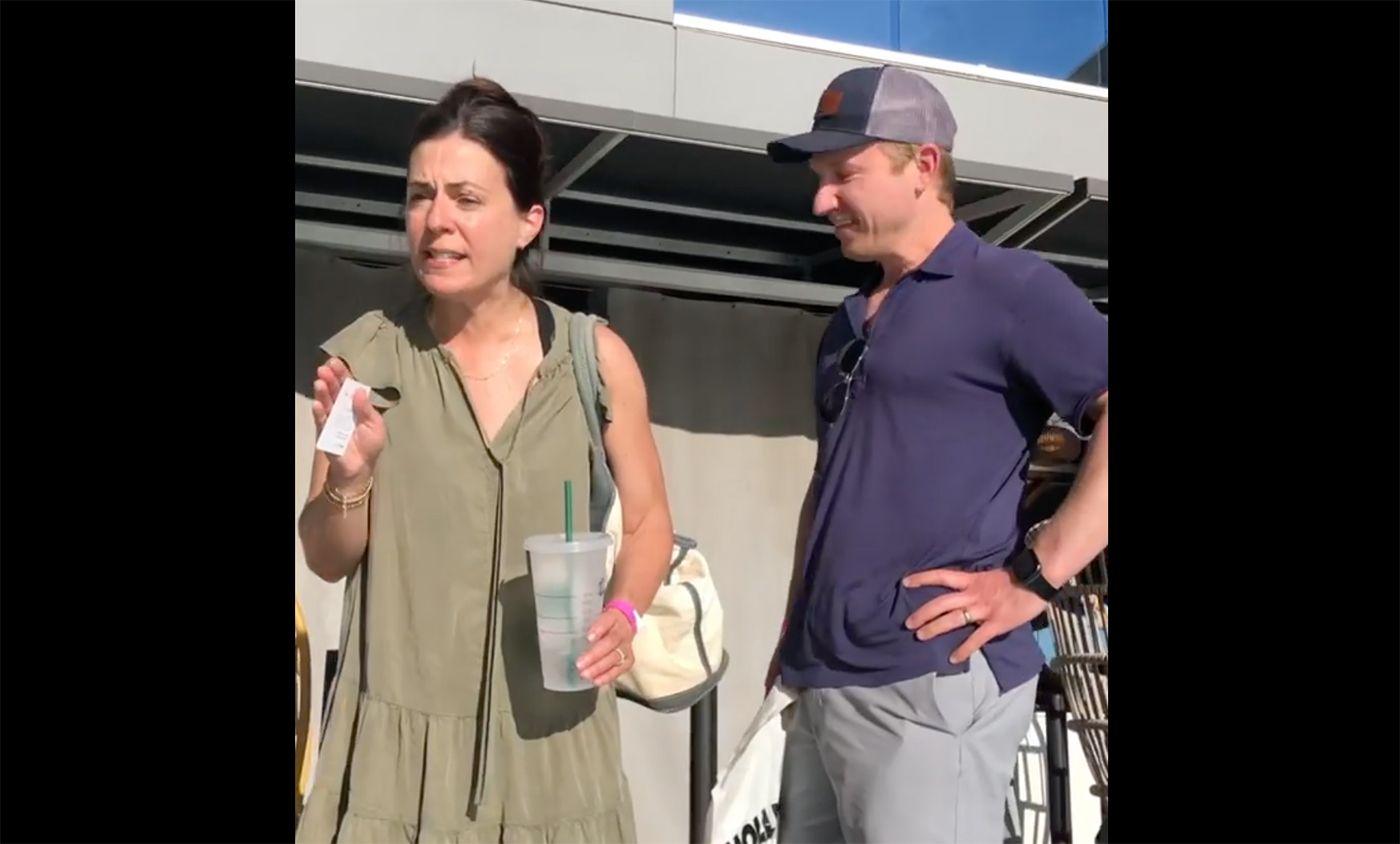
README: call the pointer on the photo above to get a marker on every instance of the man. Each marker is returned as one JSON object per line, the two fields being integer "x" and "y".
{"x": 908, "y": 631}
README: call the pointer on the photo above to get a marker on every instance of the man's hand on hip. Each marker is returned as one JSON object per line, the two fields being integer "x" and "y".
{"x": 990, "y": 600}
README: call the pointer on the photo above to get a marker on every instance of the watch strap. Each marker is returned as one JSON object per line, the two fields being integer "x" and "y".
{"x": 1026, "y": 570}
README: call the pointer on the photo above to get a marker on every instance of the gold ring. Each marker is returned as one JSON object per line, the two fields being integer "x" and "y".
{"x": 967, "y": 617}
{"x": 621, "y": 657}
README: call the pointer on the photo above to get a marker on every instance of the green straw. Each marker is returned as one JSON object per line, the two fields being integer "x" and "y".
{"x": 568, "y": 511}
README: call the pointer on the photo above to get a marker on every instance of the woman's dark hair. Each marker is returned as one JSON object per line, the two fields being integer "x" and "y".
{"x": 480, "y": 110}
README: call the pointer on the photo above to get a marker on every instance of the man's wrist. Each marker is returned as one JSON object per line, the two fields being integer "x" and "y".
{"x": 1049, "y": 553}
{"x": 1028, "y": 572}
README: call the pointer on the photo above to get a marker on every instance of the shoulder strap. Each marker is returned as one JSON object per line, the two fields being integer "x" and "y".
{"x": 590, "y": 389}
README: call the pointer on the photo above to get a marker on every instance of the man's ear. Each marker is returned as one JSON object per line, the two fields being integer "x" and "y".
{"x": 927, "y": 160}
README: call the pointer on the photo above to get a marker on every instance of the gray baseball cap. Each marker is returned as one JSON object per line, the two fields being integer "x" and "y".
{"x": 872, "y": 104}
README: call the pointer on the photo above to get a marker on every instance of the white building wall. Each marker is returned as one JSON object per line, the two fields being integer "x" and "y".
{"x": 641, "y": 63}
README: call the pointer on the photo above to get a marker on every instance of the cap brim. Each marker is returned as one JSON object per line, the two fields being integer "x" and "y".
{"x": 804, "y": 146}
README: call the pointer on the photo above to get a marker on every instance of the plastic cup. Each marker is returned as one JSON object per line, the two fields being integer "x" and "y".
{"x": 569, "y": 580}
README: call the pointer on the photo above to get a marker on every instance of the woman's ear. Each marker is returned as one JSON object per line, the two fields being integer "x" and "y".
{"x": 530, "y": 224}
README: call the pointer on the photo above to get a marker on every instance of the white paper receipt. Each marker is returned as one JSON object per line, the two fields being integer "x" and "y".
{"x": 340, "y": 424}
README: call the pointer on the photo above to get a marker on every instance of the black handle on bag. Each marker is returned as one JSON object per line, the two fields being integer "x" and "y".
{"x": 704, "y": 740}
{"x": 1050, "y": 699}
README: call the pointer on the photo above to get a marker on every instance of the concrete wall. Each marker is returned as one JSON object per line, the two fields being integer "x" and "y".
{"x": 624, "y": 55}
{"x": 734, "y": 82}
{"x": 545, "y": 49}
{"x": 659, "y": 10}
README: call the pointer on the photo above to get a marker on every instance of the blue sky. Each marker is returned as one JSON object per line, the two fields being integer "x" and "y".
{"x": 1044, "y": 37}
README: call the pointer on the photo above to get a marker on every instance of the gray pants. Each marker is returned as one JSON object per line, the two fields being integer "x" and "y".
{"x": 927, "y": 760}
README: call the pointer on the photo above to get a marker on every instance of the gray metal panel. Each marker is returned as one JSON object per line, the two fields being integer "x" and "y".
{"x": 732, "y": 81}
{"x": 541, "y": 48}
{"x": 1020, "y": 218}
{"x": 359, "y": 79}
{"x": 580, "y": 163}
{"x": 671, "y": 245}
{"x": 654, "y": 125}
{"x": 703, "y": 213}
{"x": 702, "y": 87}
{"x": 657, "y": 10}
{"x": 554, "y": 110}
{"x": 632, "y": 122}
{"x": 392, "y": 246}
{"x": 754, "y": 140}
{"x": 611, "y": 272}
{"x": 352, "y": 240}
{"x": 605, "y": 272}
{"x": 1013, "y": 177}
{"x": 1083, "y": 231}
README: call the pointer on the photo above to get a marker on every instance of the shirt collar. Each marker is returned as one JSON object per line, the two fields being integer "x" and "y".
{"x": 951, "y": 253}
{"x": 946, "y": 259}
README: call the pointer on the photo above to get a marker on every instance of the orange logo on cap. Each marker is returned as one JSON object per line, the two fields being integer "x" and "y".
{"x": 830, "y": 102}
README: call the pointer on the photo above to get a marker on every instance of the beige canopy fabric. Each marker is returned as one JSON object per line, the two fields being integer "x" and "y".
{"x": 730, "y": 394}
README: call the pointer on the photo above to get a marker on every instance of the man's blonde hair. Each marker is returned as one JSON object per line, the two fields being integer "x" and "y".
{"x": 901, "y": 154}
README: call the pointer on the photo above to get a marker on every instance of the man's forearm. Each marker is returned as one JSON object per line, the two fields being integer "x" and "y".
{"x": 1079, "y": 529}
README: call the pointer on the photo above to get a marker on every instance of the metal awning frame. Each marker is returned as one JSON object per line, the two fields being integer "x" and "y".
{"x": 704, "y": 249}
{"x": 1037, "y": 200}
{"x": 390, "y": 246}
{"x": 614, "y": 121}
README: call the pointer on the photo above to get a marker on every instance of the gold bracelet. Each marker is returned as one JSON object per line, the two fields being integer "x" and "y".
{"x": 348, "y": 502}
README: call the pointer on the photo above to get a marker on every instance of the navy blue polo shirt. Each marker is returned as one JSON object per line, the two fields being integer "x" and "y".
{"x": 925, "y": 465}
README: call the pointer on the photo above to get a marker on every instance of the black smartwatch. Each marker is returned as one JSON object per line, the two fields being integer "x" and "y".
{"x": 1025, "y": 570}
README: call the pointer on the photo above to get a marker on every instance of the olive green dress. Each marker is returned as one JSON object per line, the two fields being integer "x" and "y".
{"x": 439, "y": 728}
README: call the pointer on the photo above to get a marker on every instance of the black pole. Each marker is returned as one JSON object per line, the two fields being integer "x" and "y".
{"x": 1057, "y": 762}
{"x": 704, "y": 738}
{"x": 332, "y": 665}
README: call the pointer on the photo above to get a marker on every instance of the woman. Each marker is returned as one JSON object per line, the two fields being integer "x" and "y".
{"x": 439, "y": 727}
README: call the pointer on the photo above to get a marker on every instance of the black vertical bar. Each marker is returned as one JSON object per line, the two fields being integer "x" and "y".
{"x": 332, "y": 665}
{"x": 598, "y": 301}
{"x": 704, "y": 739}
{"x": 1057, "y": 761}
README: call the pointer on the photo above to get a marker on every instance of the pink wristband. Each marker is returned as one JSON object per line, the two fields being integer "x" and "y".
{"x": 626, "y": 609}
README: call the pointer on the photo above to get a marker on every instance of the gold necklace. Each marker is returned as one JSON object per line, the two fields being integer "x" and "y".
{"x": 505, "y": 358}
